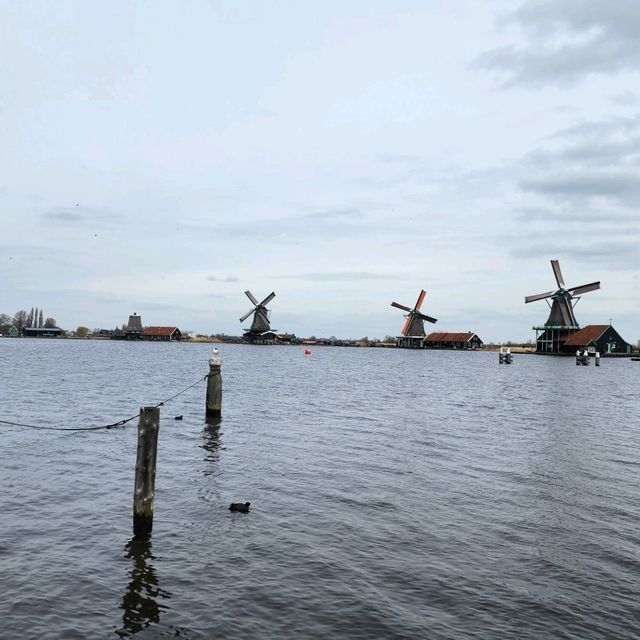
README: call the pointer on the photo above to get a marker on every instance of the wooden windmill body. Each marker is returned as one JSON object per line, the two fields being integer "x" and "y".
{"x": 561, "y": 322}
{"x": 413, "y": 334}
{"x": 260, "y": 331}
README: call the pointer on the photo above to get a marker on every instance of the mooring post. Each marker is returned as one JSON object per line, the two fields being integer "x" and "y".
{"x": 214, "y": 386}
{"x": 578, "y": 357}
{"x": 144, "y": 486}
{"x": 597, "y": 358}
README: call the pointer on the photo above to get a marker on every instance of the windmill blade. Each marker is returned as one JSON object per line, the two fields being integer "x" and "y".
{"x": 539, "y": 296}
{"x": 268, "y": 299}
{"x": 423, "y": 293}
{"x": 566, "y": 315}
{"x": 592, "y": 286}
{"x": 555, "y": 265}
{"x": 250, "y": 296}
{"x": 427, "y": 318}
{"x": 406, "y": 326}
{"x": 246, "y": 315}
{"x": 400, "y": 306}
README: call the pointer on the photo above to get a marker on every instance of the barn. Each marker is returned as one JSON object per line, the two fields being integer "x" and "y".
{"x": 42, "y": 332}
{"x": 597, "y": 337}
{"x": 162, "y": 334}
{"x": 447, "y": 340}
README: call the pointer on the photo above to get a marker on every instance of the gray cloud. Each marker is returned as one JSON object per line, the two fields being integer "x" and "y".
{"x": 84, "y": 216}
{"x": 619, "y": 254}
{"x": 591, "y": 129}
{"x": 588, "y": 162}
{"x": 595, "y": 152}
{"x": 569, "y": 40}
{"x": 584, "y": 186}
{"x": 227, "y": 279}
{"x": 583, "y": 216}
{"x": 622, "y": 186}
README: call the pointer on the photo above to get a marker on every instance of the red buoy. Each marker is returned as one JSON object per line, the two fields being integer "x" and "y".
{"x": 307, "y": 352}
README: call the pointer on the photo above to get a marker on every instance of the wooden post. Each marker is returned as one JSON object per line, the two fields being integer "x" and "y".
{"x": 144, "y": 487}
{"x": 214, "y": 386}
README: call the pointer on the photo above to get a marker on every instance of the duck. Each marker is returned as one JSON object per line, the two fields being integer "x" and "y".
{"x": 241, "y": 507}
{"x": 178, "y": 418}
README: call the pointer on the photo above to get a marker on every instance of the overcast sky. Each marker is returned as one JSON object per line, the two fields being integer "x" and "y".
{"x": 162, "y": 157}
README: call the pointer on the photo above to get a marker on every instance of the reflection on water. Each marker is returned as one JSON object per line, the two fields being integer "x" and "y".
{"x": 140, "y": 602}
{"x": 211, "y": 440}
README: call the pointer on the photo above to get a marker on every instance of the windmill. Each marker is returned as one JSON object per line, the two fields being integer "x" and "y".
{"x": 260, "y": 330}
{"x": 413, "y": 329}
{"x": 562, "y": 321}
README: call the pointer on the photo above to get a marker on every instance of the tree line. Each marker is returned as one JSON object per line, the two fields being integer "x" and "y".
{"x": 25, "y": 319}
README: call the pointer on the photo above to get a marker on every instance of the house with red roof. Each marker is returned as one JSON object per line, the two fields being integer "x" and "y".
{"x": 161, "y": 334}
{"x": 448, "y": 340}
{"x": 602, "y": 338}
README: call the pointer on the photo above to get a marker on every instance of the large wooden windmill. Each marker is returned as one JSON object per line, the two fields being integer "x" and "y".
{"x": 413, "y": 330}
{"x": 260, "y": 331}
{"x": 562, "y": 321}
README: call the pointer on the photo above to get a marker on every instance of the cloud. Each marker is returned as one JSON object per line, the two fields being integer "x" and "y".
{"x": 569, "y": 40}
{"x": 341, "y": 276}
{"x": 330, "y": 214}
{"x": 588, "y": 161}
{"x": 566, "y": 214}
{"x": 622, "y": 186}
{"x": 610, "y": 253}
{"x": 227, "y": 279}
{"x": 290, "y": 229}
{"x": 84, "y": 216}
{"x": 626, "y": 99}
{"x": 583, "y": 192}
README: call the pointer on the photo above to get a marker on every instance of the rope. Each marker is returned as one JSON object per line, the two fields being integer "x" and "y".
{"x": 120, "y": 423}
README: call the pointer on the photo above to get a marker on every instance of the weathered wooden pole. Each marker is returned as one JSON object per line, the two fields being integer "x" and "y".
{"x": 144, "y": 486}
{"x": 214, "y": 386}
{"x": 597, "y": 358}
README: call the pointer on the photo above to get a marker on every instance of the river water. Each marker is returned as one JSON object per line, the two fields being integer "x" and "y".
{"x": 394, "y": 494}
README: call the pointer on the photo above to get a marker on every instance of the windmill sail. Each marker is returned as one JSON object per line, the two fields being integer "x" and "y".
{"x": 561, "y": 314}
{"x": 414, "y": 325}
{"x": 260, "y": 322}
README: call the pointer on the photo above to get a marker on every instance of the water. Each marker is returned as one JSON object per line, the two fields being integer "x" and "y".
{"x": 395, "y": 494}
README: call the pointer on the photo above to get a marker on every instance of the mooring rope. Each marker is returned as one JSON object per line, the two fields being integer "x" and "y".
{"x": 120, "y": 423}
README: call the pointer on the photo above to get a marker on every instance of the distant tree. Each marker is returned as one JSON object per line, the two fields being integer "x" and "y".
{"x": 50, "y": 323}
{"x": 40, "y": 320}
{"x": 5, "y": 322}
{"x": 82, "y": 332}
{"x": 20, "y": 319}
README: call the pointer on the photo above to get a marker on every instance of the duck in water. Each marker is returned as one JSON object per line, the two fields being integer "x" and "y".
{"x": 240, "y": 507}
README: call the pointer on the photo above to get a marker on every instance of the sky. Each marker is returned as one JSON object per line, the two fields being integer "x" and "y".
{"x": 163, "y": 157}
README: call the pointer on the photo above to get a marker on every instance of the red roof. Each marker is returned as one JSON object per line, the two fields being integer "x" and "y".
{"x": 158, "y": 331}
{"x": 450, "y": 337}
{"x": 586, "y": 335}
